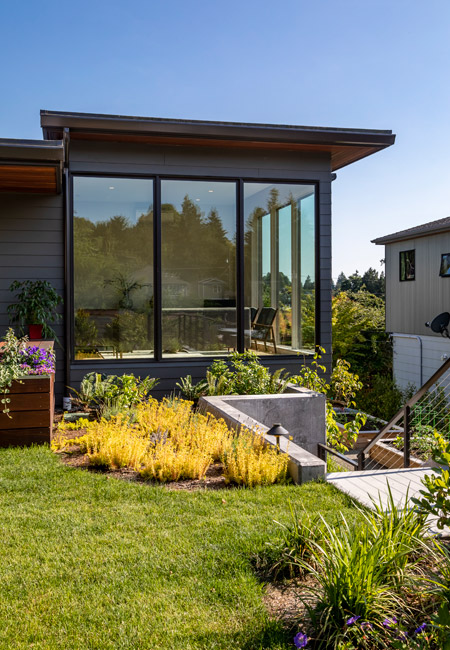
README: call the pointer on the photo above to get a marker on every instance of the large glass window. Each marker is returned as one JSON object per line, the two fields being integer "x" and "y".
{"x": 279, "y": 267}
{"x": 198, "y": 275}
{"x": 114, "y": 309}
{"x": 113, "y": 268}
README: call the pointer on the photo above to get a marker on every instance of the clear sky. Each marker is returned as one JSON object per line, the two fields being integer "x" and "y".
{"x": 382, "y": 64}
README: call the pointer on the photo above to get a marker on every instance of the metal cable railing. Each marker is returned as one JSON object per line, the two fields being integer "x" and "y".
{"x": 408, "y": 438}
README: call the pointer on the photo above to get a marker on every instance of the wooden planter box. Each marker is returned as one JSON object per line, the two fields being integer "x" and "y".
{"x": 31, "y": 411}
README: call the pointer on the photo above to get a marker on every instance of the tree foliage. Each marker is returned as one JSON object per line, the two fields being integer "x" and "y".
{"x": 371, "y": 282}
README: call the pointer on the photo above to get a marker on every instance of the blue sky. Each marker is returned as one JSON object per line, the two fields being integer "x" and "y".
{"x": 382, "y": 64}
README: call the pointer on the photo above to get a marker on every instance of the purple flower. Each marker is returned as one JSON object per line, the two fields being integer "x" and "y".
{"x": 420, "y": 629}
{"x": 366, "y": 626}
{"x": 300, "y": 640}
{"x": 390, "y": 622}
{"x": 402, "y": 635}
{"x": 352, "y": 620}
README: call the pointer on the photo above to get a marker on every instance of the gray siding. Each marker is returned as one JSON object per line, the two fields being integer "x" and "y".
{"x": 116, "y": 158}
{"x": 31, "y": 248}
{"x": 410, "y": 304}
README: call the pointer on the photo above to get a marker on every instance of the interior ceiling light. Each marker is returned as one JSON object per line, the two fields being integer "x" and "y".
{"x": 197, "y": 199}
{"x": 210, "y": 190}
{"x": 111, "y": 187}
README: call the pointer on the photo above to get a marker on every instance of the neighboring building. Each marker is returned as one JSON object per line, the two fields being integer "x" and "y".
{"x": 417, "y": 290}
{"x": 167, "y": 236}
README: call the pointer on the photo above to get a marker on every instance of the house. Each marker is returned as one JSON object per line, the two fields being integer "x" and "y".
{"x": 166, "y": 237}
{"x": 417, "y": 290}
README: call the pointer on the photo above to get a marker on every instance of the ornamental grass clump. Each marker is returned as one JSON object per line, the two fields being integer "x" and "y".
{"x": 366, "y": 572}
{"x": 167, "y": 441}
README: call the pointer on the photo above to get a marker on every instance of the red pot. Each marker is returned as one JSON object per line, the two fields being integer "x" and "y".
{"x": 34, "y": 332}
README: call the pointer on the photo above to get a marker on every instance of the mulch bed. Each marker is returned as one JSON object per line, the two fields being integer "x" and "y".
{"x": 72, "y": 456}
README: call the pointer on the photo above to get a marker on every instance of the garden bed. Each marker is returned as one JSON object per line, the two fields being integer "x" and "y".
{"x": 214, "y": 478}
{"x": 167, "y": 442}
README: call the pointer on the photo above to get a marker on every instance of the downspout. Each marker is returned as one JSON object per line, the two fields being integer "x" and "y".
{"x": 67, "y": 258}
{"x": 418, "y": 338}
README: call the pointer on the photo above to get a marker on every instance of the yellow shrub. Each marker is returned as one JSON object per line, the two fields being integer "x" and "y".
{"x": 248, "y": 461}
{"x": 168, "y": 442}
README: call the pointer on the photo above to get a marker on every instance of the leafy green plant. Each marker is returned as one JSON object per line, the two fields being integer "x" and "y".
{"x": 360, "y": 571}
{"x": 342, "y": 438}
{"x": 243, "y": 374}
{"x": 36, "y": 304}
{"x": 312, "y": 376}
{"x": 190, "y": 390}
{"x": 381, "y": 397}
{"x": 346, "y": 384}
{"x": 422, "y": 442}
{"x": 435, "y": 498}
{"x": 10, "y": 369}
{"x": 288, "y": 555}
{"x": 111, "y": 394}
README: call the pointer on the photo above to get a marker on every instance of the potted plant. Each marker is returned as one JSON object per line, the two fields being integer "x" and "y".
{"x": 36, "y": 306}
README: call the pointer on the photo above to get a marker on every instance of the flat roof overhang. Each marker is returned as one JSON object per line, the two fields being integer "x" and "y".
{"x": 345, "y": 146}
{"x": 31, "y": 166}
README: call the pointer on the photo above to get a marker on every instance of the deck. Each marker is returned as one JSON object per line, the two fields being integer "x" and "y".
{"x": 373, "y": 485}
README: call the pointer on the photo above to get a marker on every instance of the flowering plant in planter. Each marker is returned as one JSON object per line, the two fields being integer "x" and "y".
{"x": 17, "y": 361}
{"x": 36, "y": 361}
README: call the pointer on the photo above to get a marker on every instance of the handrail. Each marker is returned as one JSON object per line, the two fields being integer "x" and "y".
{"x": 413, "y": 400}
{"x": 324, "y": 449}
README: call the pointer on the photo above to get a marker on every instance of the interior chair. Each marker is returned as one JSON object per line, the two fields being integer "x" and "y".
{"x": 262, "y": 328}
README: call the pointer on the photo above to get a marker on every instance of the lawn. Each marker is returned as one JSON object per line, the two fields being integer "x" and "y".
{"x": 91, "y": 562}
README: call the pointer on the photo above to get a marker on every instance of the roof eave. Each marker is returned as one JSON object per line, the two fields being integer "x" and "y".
{"x": 54, "y": 122}
{"x": 32, "y": 151}
{"x": 392, "y": 240}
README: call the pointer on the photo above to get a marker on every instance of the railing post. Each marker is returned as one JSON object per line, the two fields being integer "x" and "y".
{"x": 407, "y": 436}
{"x": 322, "y": 453}
{"x": 361, "y": 461}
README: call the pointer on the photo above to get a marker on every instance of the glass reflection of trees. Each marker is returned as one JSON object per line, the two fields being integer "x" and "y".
{"x": 113, "y": 285}
{"x": 199, "y": 275}
{"x": 281, "y": 298}
{"x": 113, "y": 277}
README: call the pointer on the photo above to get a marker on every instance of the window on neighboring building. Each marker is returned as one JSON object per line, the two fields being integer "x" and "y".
{"x": 407, "y": 265}
{"x": 445, "y": 265}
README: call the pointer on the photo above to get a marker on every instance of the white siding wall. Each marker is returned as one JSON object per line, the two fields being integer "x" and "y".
{"x": 408, "y": 357}
{"x": 410, "y": 304}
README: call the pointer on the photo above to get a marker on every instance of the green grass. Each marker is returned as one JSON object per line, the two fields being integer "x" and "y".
{"x": 90, "y": 562}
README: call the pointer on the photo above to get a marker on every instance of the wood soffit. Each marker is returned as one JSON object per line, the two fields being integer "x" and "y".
{"x": 341, "y": 155}
{"x": 343, "y": 145}
{"x": 36, "y": 179}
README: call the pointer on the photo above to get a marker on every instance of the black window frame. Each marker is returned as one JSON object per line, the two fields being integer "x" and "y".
{"x": 157, "y": 357}
{"x": 447, "y": 273}
{"x": 401, "y": 253}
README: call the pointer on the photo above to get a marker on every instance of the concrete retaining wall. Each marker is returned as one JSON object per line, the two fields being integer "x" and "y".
{"x": 300, "y": 411}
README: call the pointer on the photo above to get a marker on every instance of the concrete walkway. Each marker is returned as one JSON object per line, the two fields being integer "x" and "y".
{"x": 368, "y": 485}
